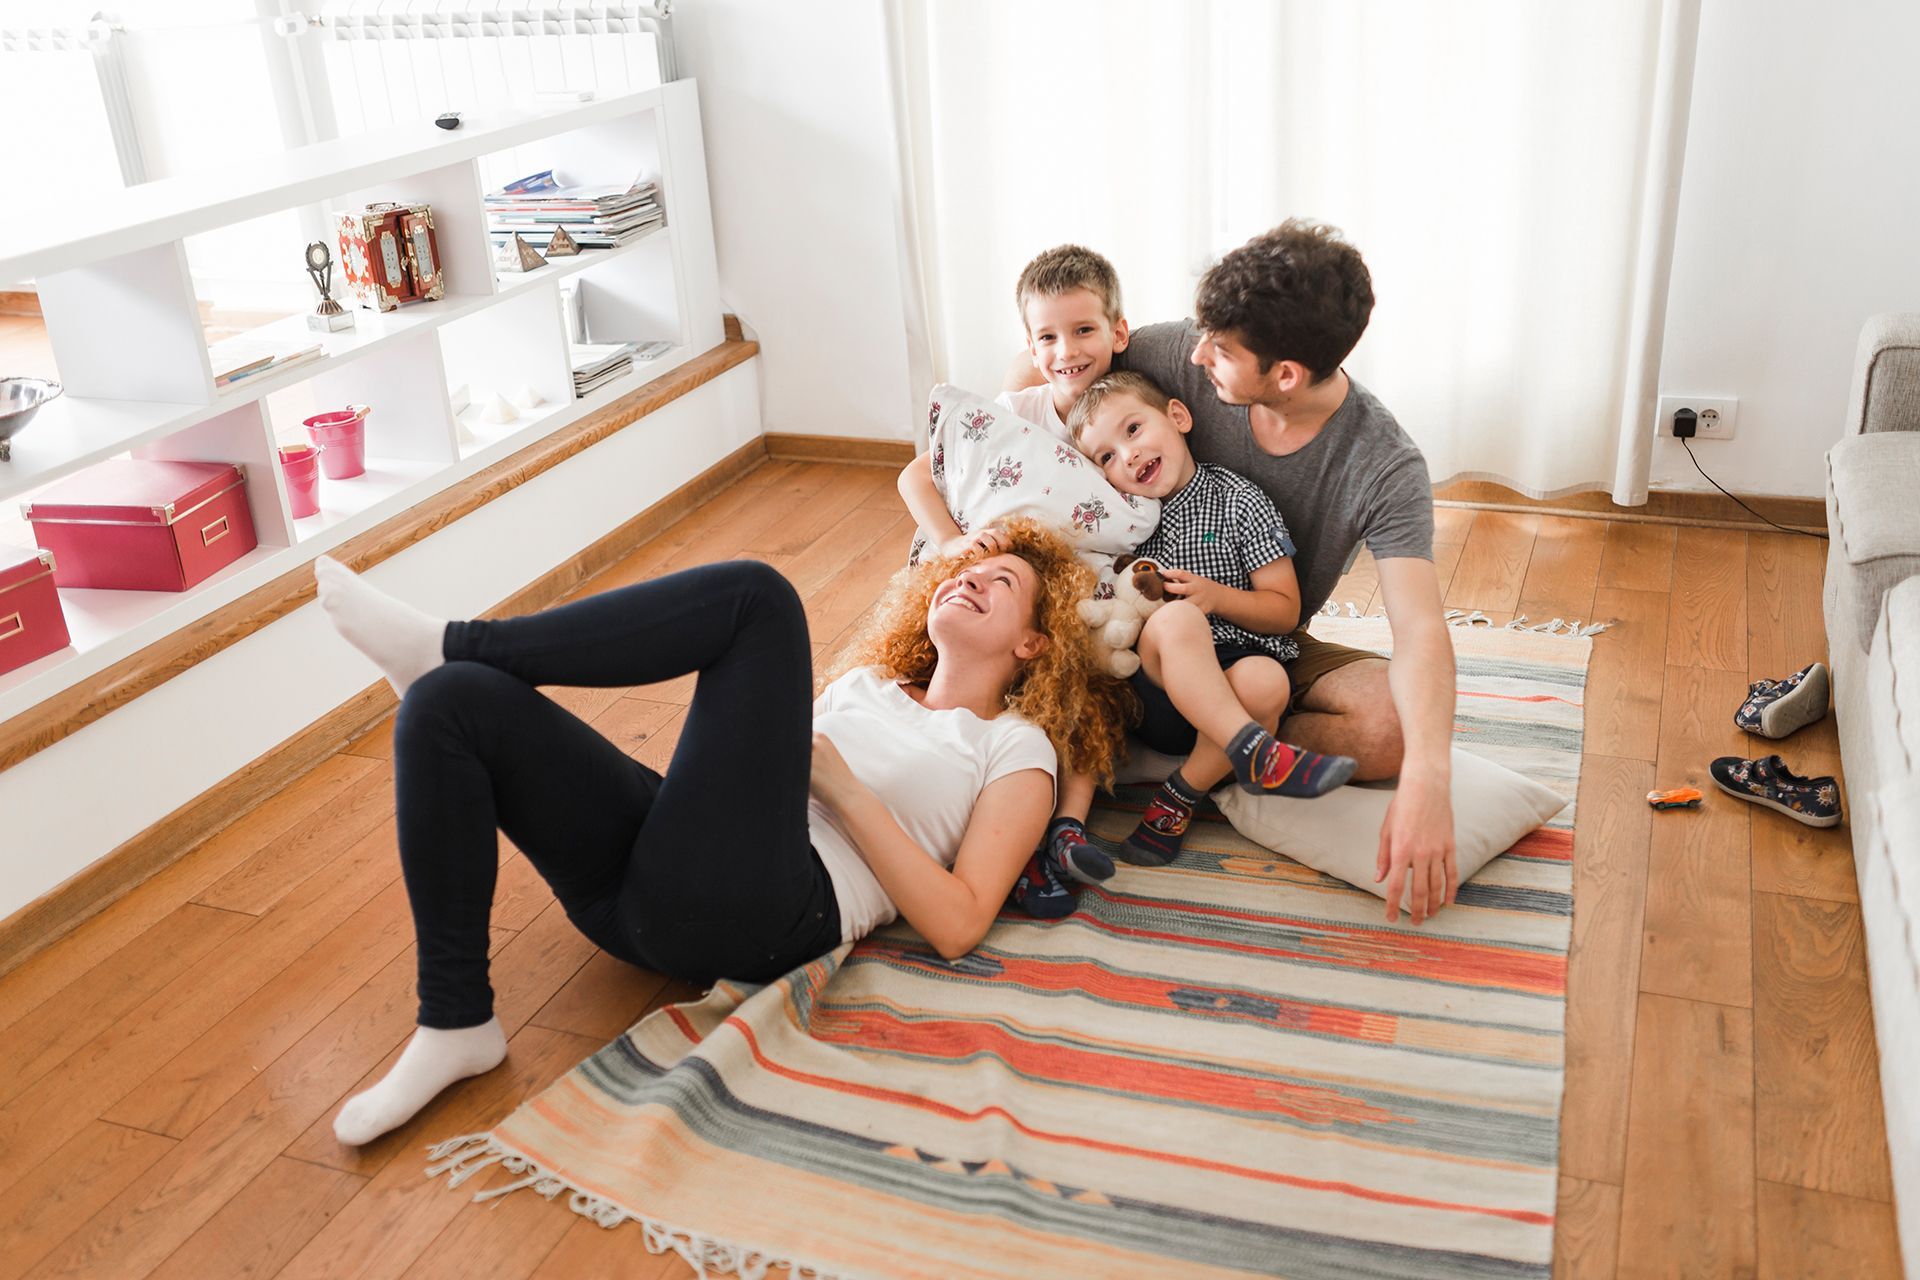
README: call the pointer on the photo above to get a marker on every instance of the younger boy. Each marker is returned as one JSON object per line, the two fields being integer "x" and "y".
{"x": 1069, "y": 301}
{"x": 1211, "y": 681}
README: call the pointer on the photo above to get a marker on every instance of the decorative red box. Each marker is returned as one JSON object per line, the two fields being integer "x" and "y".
{"x": 389, "y": 255}
{"x": 31, "y": 623}
{"x": 133, "y": 525}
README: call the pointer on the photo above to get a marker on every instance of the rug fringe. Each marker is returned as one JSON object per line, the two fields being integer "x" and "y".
{"x": 460, "y": 1158}
{"x": 1571, "y": 630}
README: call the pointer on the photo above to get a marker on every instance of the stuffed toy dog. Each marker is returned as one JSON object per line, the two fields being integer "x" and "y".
{"x": 1127, "y": 594}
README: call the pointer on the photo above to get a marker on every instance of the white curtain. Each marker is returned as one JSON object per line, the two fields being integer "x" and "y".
{"x": 1507, "y": 167}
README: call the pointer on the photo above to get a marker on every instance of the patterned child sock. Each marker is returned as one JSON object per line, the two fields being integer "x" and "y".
{"x": 1042, "y": 894}
{"x": 1163, "y": 828}
{"x": 1072, "y": 854}
{"x": 1264, "y": 765}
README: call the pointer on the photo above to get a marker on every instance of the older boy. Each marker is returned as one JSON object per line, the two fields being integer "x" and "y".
{"x": 1211, "y": 681}
{"x": 1069, "y": 301}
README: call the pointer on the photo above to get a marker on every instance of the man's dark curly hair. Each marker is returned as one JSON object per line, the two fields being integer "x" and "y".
{"x": 1298, "y": 292}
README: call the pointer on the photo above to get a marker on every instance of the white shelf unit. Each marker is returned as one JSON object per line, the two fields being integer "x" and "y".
{"x": 121, "y": 314}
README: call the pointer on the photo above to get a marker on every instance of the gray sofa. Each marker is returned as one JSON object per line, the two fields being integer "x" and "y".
{"x": 1873, "y": 637}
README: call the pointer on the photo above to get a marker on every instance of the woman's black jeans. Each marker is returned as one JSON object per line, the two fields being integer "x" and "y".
{"x": 704, "y": 873}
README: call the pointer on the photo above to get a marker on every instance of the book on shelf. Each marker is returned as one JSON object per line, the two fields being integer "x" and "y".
{"x": 236, "y": 359}
{"x": 597, "y": 217}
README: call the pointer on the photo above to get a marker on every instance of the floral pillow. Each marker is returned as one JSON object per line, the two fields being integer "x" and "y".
{"x": 990, "y": 464}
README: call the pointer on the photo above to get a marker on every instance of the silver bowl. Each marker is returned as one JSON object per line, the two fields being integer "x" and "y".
{"x": 20, "y": 399}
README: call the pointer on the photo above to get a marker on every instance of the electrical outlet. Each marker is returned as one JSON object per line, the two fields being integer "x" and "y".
{"x": 1717, "y": 414}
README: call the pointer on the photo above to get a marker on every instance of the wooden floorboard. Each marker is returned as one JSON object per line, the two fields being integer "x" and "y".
{"x": 1586, "y": 1234}
{"x": 1817, "y": 1120}
{"x": 1699, "y": 909}
{"x": 1687, "y": 1205}
{"x": 175, "y": 1063}
{"x": 1564, "y": 570}
{"x": 1707, "y": 624}
{"x": 1815, "y": 1235}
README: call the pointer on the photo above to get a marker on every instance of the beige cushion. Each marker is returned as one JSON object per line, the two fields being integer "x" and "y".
{"x": 1872, "y": 481}
{"x": 1339, "y": 833}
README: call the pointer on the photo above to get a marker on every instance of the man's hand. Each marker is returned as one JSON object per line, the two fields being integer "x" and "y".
{"x": 1416, "y": 848}
{"x": 1204, "y": 592}
{"x": 990, "y": 540}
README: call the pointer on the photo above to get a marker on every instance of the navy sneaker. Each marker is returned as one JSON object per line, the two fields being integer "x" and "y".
{"x": 1814, "y": 801}
{"x": 1042, "y": 894}
{"x": 1073, "y": 854}
{"x": 1776, "y": 708}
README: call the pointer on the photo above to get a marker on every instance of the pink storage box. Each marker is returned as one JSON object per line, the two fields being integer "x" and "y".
{"x": 130, "y": 524}
{"x": 32, "y": 624}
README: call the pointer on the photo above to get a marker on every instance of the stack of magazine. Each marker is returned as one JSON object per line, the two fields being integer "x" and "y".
{"x": 595, "y": 364}
{"x": 596, "y": 217}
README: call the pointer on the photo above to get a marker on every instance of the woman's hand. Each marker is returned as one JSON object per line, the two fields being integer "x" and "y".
{"x": 832, "y": 780}
{"x": 990, "y": 540}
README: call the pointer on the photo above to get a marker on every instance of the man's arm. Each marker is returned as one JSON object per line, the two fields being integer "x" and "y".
{"x": 1021, "y": 373}
{"x": 1417, "y": 839}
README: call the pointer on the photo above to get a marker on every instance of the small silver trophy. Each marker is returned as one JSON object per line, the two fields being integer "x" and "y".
{"x": 329, "y": 316}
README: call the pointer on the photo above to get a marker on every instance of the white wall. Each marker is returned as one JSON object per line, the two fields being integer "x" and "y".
{"x": 802, "y": 169}
{"x": 1798, "y": 208}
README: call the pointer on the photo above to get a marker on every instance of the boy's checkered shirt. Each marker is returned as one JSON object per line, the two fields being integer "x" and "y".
{"x": 1221, "y": 526}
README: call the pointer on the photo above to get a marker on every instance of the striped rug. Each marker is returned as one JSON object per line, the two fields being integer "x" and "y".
{"x": 1228, "y": 1067}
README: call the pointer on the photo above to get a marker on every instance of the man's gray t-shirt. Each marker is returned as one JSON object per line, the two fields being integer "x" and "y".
{"x": 1360, "y": 480}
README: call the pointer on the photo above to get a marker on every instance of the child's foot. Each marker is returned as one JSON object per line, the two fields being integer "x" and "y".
{"x": 1163, "y": 828}
{"x": 432, "y": 1060}
{"x": 402, "y": 641}
{"x": 1072, "y": 853}
{"x": 1776, "y": 708}
{"x": 1263, "y": 765}
{"x": 1041, "y": 893}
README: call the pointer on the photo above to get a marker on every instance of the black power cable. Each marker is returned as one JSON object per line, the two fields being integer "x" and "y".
{"x": 1688, "y": 446}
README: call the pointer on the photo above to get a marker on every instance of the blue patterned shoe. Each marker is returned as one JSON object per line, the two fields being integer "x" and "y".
{"x": 1776, "y": 708}
{"x": 1768, "y": 781}
{"x": 1042, "y": 894}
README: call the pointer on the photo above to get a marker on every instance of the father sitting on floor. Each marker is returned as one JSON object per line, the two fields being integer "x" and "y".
{"x": 1259, "y": 369}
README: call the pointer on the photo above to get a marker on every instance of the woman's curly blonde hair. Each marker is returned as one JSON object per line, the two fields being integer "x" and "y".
{"x": 1083, "y": 711}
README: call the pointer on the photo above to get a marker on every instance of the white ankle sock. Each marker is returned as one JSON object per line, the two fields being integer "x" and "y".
{"x": 432, "y": 1060}
{"x": 402, "y": 641}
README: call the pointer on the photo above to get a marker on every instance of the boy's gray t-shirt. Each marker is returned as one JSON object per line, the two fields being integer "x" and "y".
{"x": 1360, "y": 480}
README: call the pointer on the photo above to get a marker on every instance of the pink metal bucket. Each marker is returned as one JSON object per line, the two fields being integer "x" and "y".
{"x": 341, "y": 438}
{"x": 300, "y": 464}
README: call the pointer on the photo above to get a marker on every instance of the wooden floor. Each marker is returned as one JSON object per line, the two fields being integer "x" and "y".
{"x": 171, "y": 1068}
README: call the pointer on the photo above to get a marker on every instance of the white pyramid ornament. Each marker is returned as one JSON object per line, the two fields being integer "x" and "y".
{"x": 517, "y": 255}
{"x": 527, "y": 398}
{"x": 499, "y": 410}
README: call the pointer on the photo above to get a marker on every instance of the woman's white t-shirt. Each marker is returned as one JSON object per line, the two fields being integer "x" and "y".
{"x": 928, "y": 768}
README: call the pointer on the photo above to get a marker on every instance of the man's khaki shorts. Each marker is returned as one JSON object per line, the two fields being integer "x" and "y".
{"x": 1318, "y": 658}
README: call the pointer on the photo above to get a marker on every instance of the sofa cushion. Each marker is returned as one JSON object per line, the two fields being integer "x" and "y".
{"x": 1871, "y": 483}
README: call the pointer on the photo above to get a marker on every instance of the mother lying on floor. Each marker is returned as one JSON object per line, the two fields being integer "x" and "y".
{"x": 917, "y": 784}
